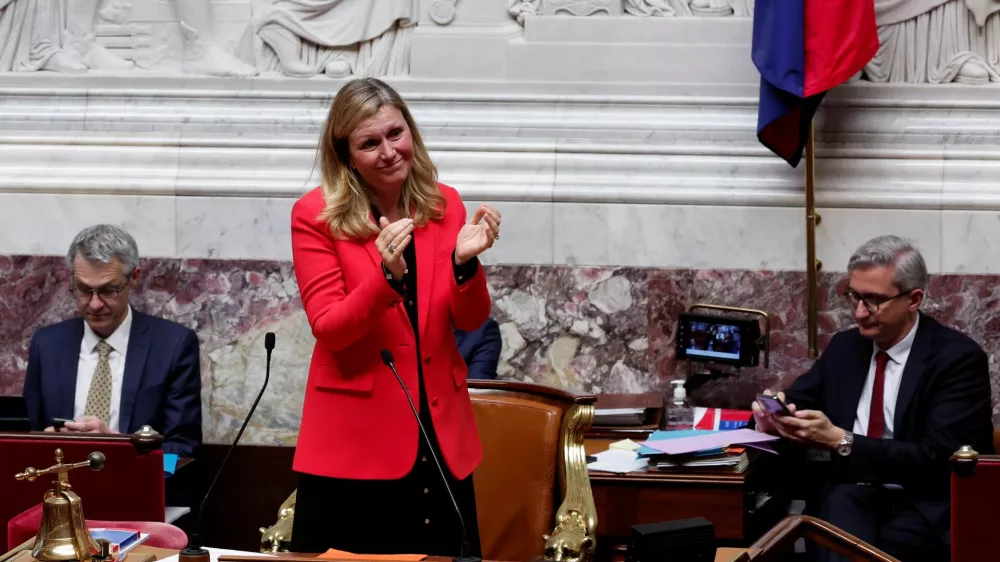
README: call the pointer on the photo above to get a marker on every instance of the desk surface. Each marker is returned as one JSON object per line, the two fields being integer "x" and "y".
{"x": 722, "y": 555}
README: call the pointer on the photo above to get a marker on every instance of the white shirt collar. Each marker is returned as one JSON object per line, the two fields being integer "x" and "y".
{"x": 118, "y": 339}
{"x": 899, "y": 352}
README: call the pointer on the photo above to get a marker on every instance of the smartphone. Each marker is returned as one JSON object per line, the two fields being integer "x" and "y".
{"x": 773, "y": 405}
{"x": 58, "y": 423}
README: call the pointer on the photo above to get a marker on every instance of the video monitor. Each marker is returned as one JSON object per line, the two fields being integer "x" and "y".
{"x": 727, "y": 340}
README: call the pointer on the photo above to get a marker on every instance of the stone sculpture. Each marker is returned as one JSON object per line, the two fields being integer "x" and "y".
{"x": 303, "y": 38}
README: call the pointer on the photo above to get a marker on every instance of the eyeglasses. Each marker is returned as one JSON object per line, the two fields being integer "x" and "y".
{"x": 871, "y": 302}
{"x": 107, "y": 295}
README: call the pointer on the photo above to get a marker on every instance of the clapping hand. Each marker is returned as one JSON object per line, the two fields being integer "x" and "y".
{"x": 474, "y": 238}
{"x": 391, "y": 242}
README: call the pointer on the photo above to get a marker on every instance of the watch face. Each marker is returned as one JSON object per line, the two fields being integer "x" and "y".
{"x": 844, "y": 449}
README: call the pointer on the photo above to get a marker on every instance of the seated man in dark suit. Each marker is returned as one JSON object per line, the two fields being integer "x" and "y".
{"x": 481, "y": 349}
{"x": 115, "y": 369}
{"x": 890, "y": 401}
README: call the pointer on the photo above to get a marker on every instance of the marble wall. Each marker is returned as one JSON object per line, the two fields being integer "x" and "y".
{"x": 594, "y": 329}
{"x": 632, "y": 186}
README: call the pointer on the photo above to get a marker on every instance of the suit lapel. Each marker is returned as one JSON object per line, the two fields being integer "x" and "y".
{"x": 69, "y": 365}
{"x": 425, "y": 238}
{"x": 371, "y": 247}
{"x": 913, "y": 372}
{"x": 135, "y": 362}
{"x": 854, "y": 382}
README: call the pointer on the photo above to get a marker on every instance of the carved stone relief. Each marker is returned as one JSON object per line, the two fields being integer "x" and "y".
{"x": 937, "y": 41}
{"x": 582, "y": 7}
{"x": 333, "y": 37}
{"x": 442, "y": 12}
{"x": 520, "y": 9}
{"x": 65, "y": 36}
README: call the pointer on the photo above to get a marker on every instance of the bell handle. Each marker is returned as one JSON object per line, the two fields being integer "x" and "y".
{"x": 95, "y": 461}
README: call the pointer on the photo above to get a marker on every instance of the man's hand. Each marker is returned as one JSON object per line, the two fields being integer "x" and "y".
{"x": 763, "y": 420}
{"x": 87, "y": 424}
{"x": 810, "y": 428}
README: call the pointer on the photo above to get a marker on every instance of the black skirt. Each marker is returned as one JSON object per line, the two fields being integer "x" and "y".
{"x": 412, "y": 515}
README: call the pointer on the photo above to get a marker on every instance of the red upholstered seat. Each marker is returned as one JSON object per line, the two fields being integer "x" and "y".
{"x": 162, "y": 535}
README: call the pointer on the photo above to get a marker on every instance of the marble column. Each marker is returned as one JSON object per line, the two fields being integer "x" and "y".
{"x": 462, "y": 39}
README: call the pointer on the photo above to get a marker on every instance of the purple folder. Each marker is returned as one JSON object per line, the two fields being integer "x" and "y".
{"x": 713, "y": 440}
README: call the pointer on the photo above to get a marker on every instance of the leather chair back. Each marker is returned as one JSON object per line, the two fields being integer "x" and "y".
{"x": 517, "y": 484}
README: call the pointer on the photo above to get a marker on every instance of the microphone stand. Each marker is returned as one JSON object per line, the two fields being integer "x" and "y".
{"x": 464, "y": 555}
{"x": 194, "y": 551}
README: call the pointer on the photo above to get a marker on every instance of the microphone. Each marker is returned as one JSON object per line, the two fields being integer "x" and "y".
{"x": 194, "y": 551}
{"x": 464, "y": 555}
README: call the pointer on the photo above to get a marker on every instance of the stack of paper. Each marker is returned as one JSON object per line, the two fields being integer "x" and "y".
{"x": 619, "y": 416}
{"x": 703, "y": 449}
{"x": 619, "y": 461}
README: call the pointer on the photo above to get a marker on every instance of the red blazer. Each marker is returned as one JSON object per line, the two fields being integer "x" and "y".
{"x": 355, "y": 421}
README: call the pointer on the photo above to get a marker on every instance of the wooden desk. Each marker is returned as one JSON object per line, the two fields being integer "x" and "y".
{"x": 722, "y": 555}
{"x": 728, "y": 500}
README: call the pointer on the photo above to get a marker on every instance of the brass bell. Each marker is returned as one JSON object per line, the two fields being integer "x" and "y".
{"x": 63, "y": 533}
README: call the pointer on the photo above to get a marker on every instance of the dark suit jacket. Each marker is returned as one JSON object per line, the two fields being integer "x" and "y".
{"x": 161, "y": 386}
{"x": 943, "y": 403}
{"x": 481, "y": 349}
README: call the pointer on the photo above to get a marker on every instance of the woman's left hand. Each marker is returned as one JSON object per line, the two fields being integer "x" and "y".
{"x": 478, "y": 235}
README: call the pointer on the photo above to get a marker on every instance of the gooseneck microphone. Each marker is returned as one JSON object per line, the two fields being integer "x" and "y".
{"x": 194, "y": 551}
{"x": 464, "y": 555}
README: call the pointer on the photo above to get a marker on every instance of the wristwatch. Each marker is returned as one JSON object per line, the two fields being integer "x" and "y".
{"x": 844, "y": 447}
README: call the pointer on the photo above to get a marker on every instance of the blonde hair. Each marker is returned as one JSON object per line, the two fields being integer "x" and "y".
{"x": 348, "y": 204}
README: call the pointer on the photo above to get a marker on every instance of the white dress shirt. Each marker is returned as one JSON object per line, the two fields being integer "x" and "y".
{"x": 898, "y": 355}
{"x": 88, "y": 363}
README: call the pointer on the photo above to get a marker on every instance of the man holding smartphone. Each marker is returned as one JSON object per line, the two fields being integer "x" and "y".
{"x": 114, "y": 369}
{"x": 891, "y": 400}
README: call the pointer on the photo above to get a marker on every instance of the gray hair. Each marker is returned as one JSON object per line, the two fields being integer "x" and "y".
{"x": 889, "y": 250}
{"x": 103, "y": 243}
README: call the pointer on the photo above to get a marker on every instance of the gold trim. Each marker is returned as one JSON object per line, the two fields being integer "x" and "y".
{"x": 812, "y": 264}
{"x": 574, "y": 537}
{"x": 964, "y": 461}
{"x": 765, "y": 338}
{"x": 278, "y": 537}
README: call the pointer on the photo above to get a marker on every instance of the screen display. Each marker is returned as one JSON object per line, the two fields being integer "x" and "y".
{"x": 715, "y": 341}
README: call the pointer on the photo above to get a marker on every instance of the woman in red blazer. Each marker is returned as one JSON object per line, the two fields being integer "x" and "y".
{"x": 385, "y": 260}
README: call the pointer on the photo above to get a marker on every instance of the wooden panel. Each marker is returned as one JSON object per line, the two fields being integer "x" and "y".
{"x": 251, "y": 489}
{"x": 620, "y": 506}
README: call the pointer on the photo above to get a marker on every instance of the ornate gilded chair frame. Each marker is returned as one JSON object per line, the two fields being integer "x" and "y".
{"x": 574, "y": 535}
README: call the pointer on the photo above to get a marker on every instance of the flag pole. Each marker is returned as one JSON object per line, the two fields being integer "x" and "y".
{"x": 813, "y": 265}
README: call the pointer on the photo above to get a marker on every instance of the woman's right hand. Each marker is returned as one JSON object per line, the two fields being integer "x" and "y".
{"x": 391, "y": 242}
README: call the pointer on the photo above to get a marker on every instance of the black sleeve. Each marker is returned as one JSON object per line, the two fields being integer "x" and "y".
{"x": 957, "y": 416}
{"x": 465, "y": 271}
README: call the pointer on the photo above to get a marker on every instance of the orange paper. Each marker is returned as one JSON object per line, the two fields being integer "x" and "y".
{"x": 334, "y": 554}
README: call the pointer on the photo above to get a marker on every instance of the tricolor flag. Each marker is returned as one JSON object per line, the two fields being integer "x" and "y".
{"x": 720, "y": 419}
{"x": 802, "y": 49}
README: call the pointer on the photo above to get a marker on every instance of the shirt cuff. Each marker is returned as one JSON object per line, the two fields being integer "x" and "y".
{"x": 465, "y": 271}
{"x": 397, "y": 286}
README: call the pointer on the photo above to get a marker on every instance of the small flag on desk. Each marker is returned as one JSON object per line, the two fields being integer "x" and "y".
{"x": 720, "y": 419}
{"x": 803, "y": 49}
